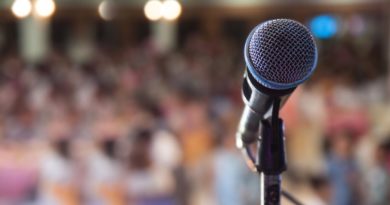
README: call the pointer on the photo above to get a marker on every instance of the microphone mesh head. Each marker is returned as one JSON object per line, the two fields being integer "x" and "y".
{"x": 282, "y": 53}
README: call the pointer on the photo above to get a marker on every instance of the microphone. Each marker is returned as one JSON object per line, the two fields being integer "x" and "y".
{"x": 279, "y": 54}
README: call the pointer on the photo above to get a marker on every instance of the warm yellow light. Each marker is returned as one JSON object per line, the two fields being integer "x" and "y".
{"x": 21, "y": 8}
{"x": 153, "y": 10}
{"x": 171, "y": 9}
{"x": 105, "y": 10}
{"x": 45, "y": 8}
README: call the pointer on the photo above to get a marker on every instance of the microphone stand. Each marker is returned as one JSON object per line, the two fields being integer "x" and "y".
{"x": 270, "y": 162}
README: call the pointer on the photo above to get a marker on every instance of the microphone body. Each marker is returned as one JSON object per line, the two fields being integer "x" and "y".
{"x": 279, "y": 55}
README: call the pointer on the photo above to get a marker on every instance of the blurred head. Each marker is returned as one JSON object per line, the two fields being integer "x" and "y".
{"x": 140, "y": 157}
{"x": 59, "y": 133}
{"x": 107, "y": 131}
{"x": 146, "y": 103}
{"x": 381, "y": 153}
{"x": 58, "y": 129}
{"x": 227, "y": 128}
{"x": 342, "y": 144}
{"x": 22, "y": 111}
{"x": 109, "y": 147}
{"x": 142, "y": 109}
{"x": 62, "y": 147}
{"x": 107, "y": 127}
{"x": 321, "y": 186}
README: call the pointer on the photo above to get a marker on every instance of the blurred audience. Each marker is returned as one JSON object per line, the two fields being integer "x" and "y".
{"x": 138, "y": 127}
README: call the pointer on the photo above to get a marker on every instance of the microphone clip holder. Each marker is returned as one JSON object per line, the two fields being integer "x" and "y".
{"x": 271, "y": 159}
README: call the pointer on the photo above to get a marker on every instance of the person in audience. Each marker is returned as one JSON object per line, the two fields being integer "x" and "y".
{"x": 322, "y": 190}
{"x": 148, "y": 183}
{"x": 343, "y": 170}
{"x": 59, "y": 174}
{"x": 378, "y": 178}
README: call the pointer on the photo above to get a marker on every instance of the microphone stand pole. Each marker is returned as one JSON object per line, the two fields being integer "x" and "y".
{"x": 271, "y": 161}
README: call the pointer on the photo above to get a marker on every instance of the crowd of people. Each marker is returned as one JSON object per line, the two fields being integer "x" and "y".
{"x": 143, "y": 128}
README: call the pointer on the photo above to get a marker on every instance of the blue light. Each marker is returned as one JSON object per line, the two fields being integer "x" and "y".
{"x": 323, "y": 26}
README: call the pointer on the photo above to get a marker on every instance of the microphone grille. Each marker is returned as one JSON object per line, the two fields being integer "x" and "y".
{"x": 282, "y": 53}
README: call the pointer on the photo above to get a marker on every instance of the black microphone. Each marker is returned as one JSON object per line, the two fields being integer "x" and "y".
{"x": 279, "y": 54}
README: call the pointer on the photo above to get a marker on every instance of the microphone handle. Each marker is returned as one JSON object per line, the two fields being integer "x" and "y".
{"x": 258, "y": 106}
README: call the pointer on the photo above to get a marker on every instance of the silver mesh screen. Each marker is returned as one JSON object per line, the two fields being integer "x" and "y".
{"x": 282, "y": 51}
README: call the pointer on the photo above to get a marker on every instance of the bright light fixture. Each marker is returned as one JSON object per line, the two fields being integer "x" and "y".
{"x": 45, "y": 8}
{"x": 171, "y": 10}
{"x": 153, "y": 10}
{"x": 105, "y": 10}
{"x": 21, "y": 8}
